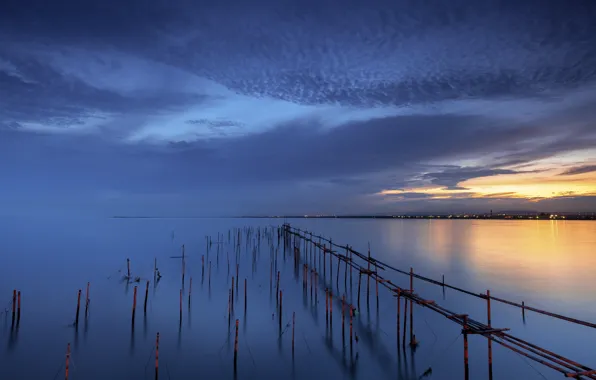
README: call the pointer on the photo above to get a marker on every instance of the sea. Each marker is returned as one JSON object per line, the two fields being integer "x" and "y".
{"x": 546, "y": 264}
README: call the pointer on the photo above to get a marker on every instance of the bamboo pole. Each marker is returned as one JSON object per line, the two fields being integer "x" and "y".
{"x": 18, "y": 307}
{"x": 146, "y": 297}
{"x": 134, "y": 304}
{"x": 236, "y": 348}
{"x": 78, "y": 307}
{"x": 293, "y": 326}
{"x": 413, "y": 342}
{"x": 66, "y": 365}
{"x": 398, "y": 315}
{"x": 490, "y": 342}
{"x": 87, "y": 298}
{"x": 466, "y": 368}
{"x": 14, "y": 305}
{"x": 157, "y": 357}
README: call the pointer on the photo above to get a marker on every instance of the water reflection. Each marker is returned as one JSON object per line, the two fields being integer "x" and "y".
{"x": 522, "y": 256}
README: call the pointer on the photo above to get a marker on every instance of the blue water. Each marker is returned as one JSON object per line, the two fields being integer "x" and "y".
{"x": 547, "y": 264}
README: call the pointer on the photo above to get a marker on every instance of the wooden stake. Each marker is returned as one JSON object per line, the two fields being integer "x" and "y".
{"x": 87, "y": 299}
{"x": 343, "y": 316}
{"x": 398, "y": 315}
{"x": 280, "y": 309}
{"x": 324, "y": 261}
{"x": 368, "y": 277}
{"x": 403, "y": 342}
{"x": 18, "y": 307}
{"x": 413, "y": 342}
{"x": 490, "y": 343}
{"x": 14, "y": 305}
{"x": 293, "y": 325}
{"x": 189, "y": 291}
{"x": 359, "y": 281}
{"x": 326, "y": 304}
{"x": 157, "y": 357}
{"x": 180, "y": 305}
{"x": 134, "y": 304}
{"x": 351, "y": 333}
{"x": 377, "y": 285}
{"x": 245, "y": 291}
{"x": 67, "y": 360}
{"x": 78, "y": 307}
{"x": 236, "y": 348}
{"x": 330, "y": 306}
{"x": 128, "y": 268}
{"x": 229, "y": 306}
{"x": 466, "y": 369}
{"x": 232, "y": 291}
{"x": 523, "y": 311}
{"x": 146, "y": 297}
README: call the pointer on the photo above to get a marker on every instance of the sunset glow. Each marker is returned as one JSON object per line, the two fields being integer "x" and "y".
{"x": 530, "y": 186}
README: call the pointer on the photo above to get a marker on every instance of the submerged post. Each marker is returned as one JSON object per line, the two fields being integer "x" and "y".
{"x": 128, "y": 268}
{"x": 180, "y": 305}
{"x": 78, "y": 308}
{"x": 245, "y": 291}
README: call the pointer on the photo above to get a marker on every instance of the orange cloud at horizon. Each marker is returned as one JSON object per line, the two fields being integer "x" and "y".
{"x": 531, "y": 186}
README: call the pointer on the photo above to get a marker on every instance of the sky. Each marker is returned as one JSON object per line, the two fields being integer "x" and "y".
{"x": 272, "y": 107}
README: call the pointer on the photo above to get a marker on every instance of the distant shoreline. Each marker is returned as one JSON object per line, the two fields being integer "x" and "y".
{"x": 540, "y": 216}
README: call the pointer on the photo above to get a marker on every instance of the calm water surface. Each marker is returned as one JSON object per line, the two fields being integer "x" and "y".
{"x": 547, "y": 264}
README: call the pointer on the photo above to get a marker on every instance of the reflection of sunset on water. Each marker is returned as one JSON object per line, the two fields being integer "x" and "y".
{"x": 520, "y": 257}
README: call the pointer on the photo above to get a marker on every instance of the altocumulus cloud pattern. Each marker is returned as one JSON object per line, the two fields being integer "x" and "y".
{"x": 243, "y": 107}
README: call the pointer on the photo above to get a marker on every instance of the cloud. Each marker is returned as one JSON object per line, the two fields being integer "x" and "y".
{"x": 296, "y": 107}
{"x": 580, "y": 170}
